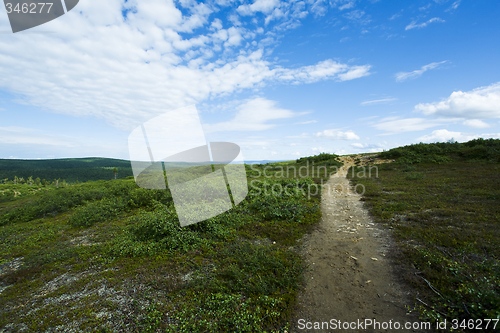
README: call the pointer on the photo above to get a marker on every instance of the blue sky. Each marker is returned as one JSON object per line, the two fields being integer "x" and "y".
{"x": 282, "y": 79}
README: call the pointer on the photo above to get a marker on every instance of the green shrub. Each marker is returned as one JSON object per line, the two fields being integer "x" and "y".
{"x": 151, "y": 232}
{"x": 254, "y": 270}
{"x": 415, "y": 176}
{"x": 7, "y": 195}
{"x": 219, "y": 312}
{"x": 444, "y": 152}
{"x": 279, "y": 208}
{"x": 407, "y": 168}
{"x": 98, "y": 211}
{"x": 60, "y": 200}
{"x": 56, "y": 201}
{"x": 318, "y": 158}
{"x": 141, "y": 198}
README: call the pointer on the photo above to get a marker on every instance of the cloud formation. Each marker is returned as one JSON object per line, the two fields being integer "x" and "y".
{"x": 394, "y": 126}
{"x": 129, "y": 61}
{"x": 401, "y": 76}
{"x": 379, "y": 101}
{"x": 327, "y": 69}
{"x": 476, "y": 123}
{"x": 480, "y": 103}
{"x": 415, "y": 25}
{"x": 306, "y": 122}
{"x": 252, "y": 115}
{"x": 337, "y": 135}
{"x": 444, "y": 135}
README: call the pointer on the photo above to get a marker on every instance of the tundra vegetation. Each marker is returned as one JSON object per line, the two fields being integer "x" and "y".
{"x": 110, "y": 256}
{"x": 442, "y": 201}
{"x": 72, "y": 170}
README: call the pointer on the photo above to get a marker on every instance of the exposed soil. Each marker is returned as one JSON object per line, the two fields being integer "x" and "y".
{"x": 350, "y": 274}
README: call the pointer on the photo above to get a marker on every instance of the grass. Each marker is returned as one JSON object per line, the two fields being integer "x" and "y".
{"x": 445, "y": 217}
{"x": 107, "y": 255}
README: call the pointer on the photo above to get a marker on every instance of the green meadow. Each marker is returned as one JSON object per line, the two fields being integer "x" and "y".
{"x": 110, "y": 256}
{"x": 442, "y": 202}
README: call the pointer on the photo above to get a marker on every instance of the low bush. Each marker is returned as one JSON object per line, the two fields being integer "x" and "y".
{"x": 443, "y": 152}
{"x": 219, "y": 312}
{"x": 98, "y": 211}
{"x": 317, "y": 158}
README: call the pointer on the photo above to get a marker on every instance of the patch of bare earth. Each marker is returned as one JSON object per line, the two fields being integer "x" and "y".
{"x": 350, "y": 274}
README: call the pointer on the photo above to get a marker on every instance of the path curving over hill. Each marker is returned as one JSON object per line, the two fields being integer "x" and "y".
{"x": 350, "y": 275}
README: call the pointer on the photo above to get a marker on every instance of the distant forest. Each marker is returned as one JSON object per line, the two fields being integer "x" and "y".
{"x": 71, "y": 170}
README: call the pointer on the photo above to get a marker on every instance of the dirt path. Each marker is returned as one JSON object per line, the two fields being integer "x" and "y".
{"x": 349, "y": 276}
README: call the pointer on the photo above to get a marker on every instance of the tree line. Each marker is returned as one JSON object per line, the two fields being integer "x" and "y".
{"x": 55, "y": 176}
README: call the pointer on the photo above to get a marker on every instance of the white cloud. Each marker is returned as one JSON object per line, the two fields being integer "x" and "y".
{"x": 301, "y": 136}
{"x": 367, "y": 118}
{"x": 395, "y": 16}
{"x": 393, "y": 126}
{"x": 327, "y": 69}
{"x": 367, "y": 146}
{"x": 480, "y": 103}
{"x": 379, "y": 101}
{"x": 401, "y": 76}
{"x": 306, "y": 122}
{"x": 253, "y": 115}
{"x": 347, "y": 5}
{"x": 337, "y": 135}
{"x": 323, "y": 150}
{"x": 454, "y": 6}
{"x": 414, "y": 24}
{"x": 444, "y": 135}
{"x": 318, "y": 7}
{"x": 358, "y": 16}
{"x": 263, "y": 6}
{"x": 24, "y": 142}
{"x": 128, "y": 70}
{"x": 355, "y": 72}
{"x": 476, "y": 123}
{"x": 28, "y": 136}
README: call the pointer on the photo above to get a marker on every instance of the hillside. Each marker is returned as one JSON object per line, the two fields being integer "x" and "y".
{"x": 442, "y": 203}
{"x": 69, "y": 169}
{"x": 73, "y": 170}
{"x": 109, "y": 256}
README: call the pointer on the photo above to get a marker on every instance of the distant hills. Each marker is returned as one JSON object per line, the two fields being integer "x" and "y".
{"x": 72, "y": 169}
{"x": 69, "y": 169}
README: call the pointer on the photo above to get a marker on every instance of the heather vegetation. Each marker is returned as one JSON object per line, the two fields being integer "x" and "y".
{"x": 441, "y": 152}
{"x": 108, "y": 255}
{"x": 442, "y": 202}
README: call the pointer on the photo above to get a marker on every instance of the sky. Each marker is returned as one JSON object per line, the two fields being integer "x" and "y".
{"x": 282, "y": 79}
